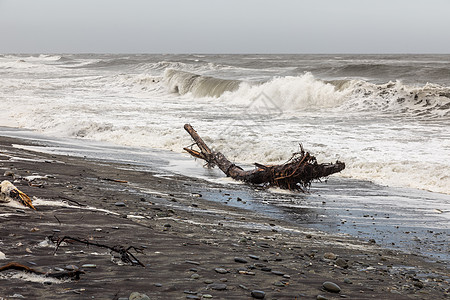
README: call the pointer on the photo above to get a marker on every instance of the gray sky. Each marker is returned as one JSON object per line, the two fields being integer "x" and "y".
{"x": 225, "y": 26}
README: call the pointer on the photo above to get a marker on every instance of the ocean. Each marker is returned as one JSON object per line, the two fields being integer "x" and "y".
{"x": 386, "y": 116}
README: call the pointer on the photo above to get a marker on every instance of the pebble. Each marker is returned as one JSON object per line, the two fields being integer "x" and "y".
{"x": 192, "y": 262}
{"x": 195, "y": 276}
{"x": 347, "y": 280}
{"x": 240, "y": 260}
{"x": 254, "y": 257}
{"x": 218, "y": 286}
{"x": 207, "y": 296}
{"x": 278, "y": 273}
{"x": 158, "y": 285}
{"x": 341, "y": 263}
{"x": 279, "y": 283}
{"x": 138, "y": 296}
{"x": 321, "y": 297}
{"x": 258, "y": 294}
{"x": 119, "y": 203}
{"x": 221, "y": 270}
{"x": 247, "y": 273}
{"x": 330, "y": 256}
{"x": 193, "y": 297}
{"x": 8, "y": 173}
{"x": 266, "y": 269}
{"x": 71, "y": 268}
{"x": 21, "y": 211}
{"x": 208, "y": 281}
{"x": 331, "y": 287}
{"x": 89, "y": 266}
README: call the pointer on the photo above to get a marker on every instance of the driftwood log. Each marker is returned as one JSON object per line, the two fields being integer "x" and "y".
{"x": 295, "y": 174}
{"x": 75, "y": 274}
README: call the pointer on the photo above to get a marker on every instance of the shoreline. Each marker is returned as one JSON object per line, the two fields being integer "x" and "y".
{"x": 401, "y": 219}
{"x": 187, "y": 238}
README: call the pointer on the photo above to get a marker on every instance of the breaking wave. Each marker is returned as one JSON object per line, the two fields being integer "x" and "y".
{"x": 199, "y": 86}
{"x": 306, "y": 92}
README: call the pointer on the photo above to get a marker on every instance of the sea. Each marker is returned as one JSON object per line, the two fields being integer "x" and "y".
{"x": 386, "y": 116}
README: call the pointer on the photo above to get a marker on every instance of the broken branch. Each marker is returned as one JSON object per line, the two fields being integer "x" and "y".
{"x": 125, "y": 255}
{"x": 295, "y": 174}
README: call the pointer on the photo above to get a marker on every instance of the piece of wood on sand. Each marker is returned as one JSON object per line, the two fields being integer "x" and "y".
{"x": 295, "y": 174}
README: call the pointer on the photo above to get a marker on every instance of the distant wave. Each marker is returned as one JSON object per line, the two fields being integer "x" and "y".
{"x": 412, "y": 72}
{"x": 142, "y": 65}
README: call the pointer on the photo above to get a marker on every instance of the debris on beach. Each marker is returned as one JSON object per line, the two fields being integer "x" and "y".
{"x": 125, "y": 255}
{"x": 295, "y": 174}
{"x": 9, "y": 191}
{"x": 68, "y": 274}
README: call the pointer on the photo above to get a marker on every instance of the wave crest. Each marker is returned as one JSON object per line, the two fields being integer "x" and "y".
{"x": 291, "y": 93}
{"x": 182, "y": 82}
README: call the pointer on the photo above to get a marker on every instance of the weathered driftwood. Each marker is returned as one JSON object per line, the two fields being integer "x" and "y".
{"x": 125, "y": 255}
{"x": 73, "y": 274}
{"x": 295, "y": 174}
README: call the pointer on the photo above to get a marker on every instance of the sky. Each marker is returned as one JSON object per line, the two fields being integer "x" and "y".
{"x": 224, "y": 26}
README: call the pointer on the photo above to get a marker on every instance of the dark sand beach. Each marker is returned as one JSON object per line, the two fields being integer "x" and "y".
{"x": 193, "y": 248}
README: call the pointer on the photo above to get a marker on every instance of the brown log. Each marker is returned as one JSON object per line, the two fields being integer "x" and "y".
{"x": 75, "y": 274}
{"x": 296, "y": 174}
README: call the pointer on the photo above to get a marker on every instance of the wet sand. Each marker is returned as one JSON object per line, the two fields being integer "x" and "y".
{"x": 194, "y": 248}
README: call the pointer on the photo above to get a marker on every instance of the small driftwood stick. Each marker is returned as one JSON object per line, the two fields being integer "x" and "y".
{"x": 75, "y": 274}
{"x": 296, "y": 174}
{"x": 114, "y": 180}
{"x": 125, "y": 255}
{"x": 73, "y": 201}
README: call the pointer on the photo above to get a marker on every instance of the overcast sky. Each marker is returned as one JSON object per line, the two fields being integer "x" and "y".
{"x": 225, "y": 26}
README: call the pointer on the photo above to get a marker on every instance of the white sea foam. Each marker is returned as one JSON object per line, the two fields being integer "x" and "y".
{"x": 288, "y": 94}
{"x": 31, "y": 278}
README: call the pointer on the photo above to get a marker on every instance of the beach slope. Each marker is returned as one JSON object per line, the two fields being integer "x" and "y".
{"x": 192, "y": 248}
